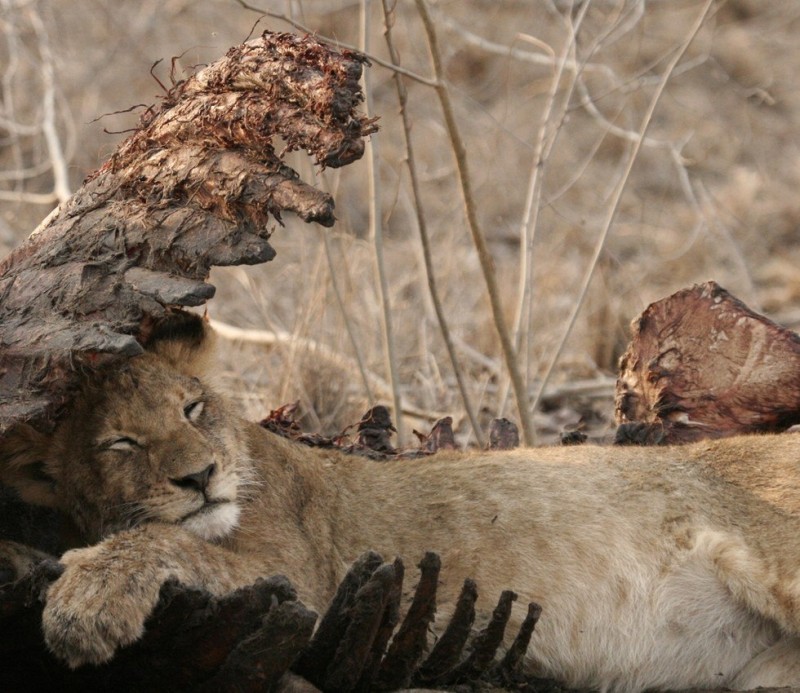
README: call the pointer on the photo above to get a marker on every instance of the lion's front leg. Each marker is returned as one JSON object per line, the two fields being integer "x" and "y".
{"x": 107, "y": 591}
{"x": 93, "y": 608}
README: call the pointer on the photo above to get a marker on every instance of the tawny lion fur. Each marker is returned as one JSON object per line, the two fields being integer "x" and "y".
{"x": 665, "y": 568}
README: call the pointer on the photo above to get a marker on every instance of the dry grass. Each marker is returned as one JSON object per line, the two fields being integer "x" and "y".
{"x": 711, "y": 193}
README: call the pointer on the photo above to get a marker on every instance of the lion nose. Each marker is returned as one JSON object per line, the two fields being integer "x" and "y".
{"x": 197, "y": 481}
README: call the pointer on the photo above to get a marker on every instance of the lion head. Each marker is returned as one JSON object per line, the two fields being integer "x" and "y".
{"x": 146, "y": 441}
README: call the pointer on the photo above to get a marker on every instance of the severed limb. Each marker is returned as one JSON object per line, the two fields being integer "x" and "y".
{"x": 199, "y": 183}
{"x": 260, "y": 638}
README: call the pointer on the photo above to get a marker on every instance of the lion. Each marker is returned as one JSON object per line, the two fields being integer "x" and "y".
{"x": 656, "y": 568}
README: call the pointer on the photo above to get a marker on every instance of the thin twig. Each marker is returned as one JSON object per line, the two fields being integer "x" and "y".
{"x": 44, "y": 222}
{"x": 372, "y": 58}
{"x": 711, "y": 215}
{"x": 362, "y": 368}
{"x": 8, "y": 105}
{"x": 376, "y": 235}
{"x": 530, "y": 217}
{"x": 422, "y": 225}
{"x": 588, "y": 104}
{"x": 484, "y": 256}
{"x": 617, "y": 196}
{"x": 30, "y": 198}
{"x": 18, "y": 174}
{"x": 57, "y": 160}
{"x": 59, "y": 165}
{"x": 320, "y": 351}
{"x": 545, "y": 59}
{"x": 302, "y": 320}
{"x": 334, "y": 273}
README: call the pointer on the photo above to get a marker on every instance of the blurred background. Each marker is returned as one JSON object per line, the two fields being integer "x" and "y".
{"x": 549, "y": 99}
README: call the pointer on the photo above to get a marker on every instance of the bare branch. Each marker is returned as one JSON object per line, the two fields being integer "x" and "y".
{"x": 58, "y": 163}
{"x": 422, "y": 225}
{"x": 617, "y": 196}
{"x": 376, "y": 236}
{"x": 487, "y": 263}
{"x": 382, "y": 389}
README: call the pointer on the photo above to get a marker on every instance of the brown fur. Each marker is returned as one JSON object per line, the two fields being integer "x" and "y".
{"x": 656, "y": 567}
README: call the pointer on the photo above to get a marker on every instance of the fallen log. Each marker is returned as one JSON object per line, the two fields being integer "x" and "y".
{"x": 701, "y": 364}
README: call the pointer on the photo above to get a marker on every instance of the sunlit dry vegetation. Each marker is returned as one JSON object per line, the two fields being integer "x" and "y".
{"x": 616, "y": 151}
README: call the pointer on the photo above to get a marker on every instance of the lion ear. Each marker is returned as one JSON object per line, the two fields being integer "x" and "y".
{"x": 186, "y": 341}
{"x": 24, "y": 454}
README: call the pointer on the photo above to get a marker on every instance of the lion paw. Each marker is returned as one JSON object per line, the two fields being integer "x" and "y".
{"x": 95, "y": 608}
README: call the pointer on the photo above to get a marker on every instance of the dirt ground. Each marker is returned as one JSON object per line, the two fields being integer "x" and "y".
{"x": 558, "y": 88}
